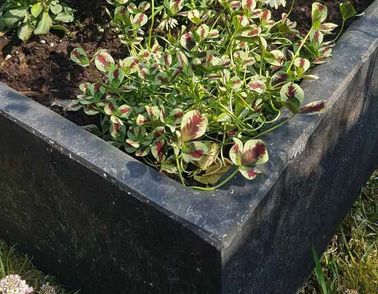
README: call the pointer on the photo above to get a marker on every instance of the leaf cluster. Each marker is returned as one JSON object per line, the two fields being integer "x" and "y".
{"x": 202, "y": 82}
{"x": 33, "y": 16}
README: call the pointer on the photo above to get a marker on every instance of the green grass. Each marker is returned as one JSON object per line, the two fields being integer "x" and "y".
{"x": 350, "y": 264}
{"x": 13, "y": 262}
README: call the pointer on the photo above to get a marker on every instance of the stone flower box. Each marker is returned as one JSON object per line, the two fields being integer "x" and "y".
{"x": 106, "y": 223}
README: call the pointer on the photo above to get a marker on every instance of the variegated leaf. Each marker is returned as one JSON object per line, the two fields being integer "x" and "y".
{"x": 279, "y": 78}
{"x": 79, "y": 56}
{"x": 236, "y": 152}
{"x": 116, "y": 77}
{"x": 124, "y": 111}
{"x": 144, "y": 6}
{"x": 182, "y": 59}
{"x": 254, "y": 153}
{"x": 214, "y": 173}
{"x": 132, "y": 8}
{"x": 248, "y": 172}
{"x": 302, "y": 65}
{"x": 162, "y": 78}
{"x": 103, "y": 61}
{"x": 130, "y": 64}
{"x": 248, "y": 5}
{"x": 328, "y": 27}
{"x": 193, "y": 125}
{"x": 139, "y": 20}
{"x": 316, "y": 37}
{"x": 203, "y": 31}
{"x": 110, "y": 107}
{"x": 133, "y": 143}
{"x": 194, "y": 16}
{"x": 175, "y": 6}
{"x": 157, "y": 150}
{"x": 141, "y": 120}
{"x": 292, "y": 91}
{"x": 142, "y": 152}
{"x": 208, "y": 159}
{"x": 257, "y": 86}
{"x": 187, "y": 41}
{"x": 117, "y": 128}
{"x": 194, "y": 151}
{"x": 318, "y": 14}
{"x": 313, "y": 107}
{"x": 213, "y": 34}
{"x": 275, "y": 57}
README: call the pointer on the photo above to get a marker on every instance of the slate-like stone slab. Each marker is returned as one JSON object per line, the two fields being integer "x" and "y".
{"x": 106, "y": 223}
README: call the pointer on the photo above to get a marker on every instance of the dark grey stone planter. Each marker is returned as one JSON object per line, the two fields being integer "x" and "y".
{"x": 104, "y": 222}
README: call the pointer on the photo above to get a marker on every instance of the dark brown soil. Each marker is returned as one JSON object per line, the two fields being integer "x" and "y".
{"x": 302, "y": 10}
{"x": 41, "y": 69}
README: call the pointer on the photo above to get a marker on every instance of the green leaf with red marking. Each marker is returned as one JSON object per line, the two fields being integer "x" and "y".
{"x": 139, "y": 20}
{"x": 116, "y": 77}
{"x": 248, "y": 5}
{"x": 79, "y": 56}
{"x": 319, "y": 14}
{"x": 249, "y": 173}
{"x": 293, "y": 95}
{"x": 193, "y": 125}
{"x": 187, "y": 41}
{"x": 194, "y": 151}
{"x": 254, "y": 153}
{"x": 104, "y": 61}
{"x": 236, "y": 152}
{"x": 313, "y": 107}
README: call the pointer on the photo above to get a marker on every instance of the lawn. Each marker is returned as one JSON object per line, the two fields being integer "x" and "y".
{"x": 350, "y": 264}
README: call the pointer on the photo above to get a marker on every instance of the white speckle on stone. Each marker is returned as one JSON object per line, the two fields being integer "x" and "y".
{"x": 105, "y": 175}
{"x": 43, "y": 41}
{"x": 52, "y": 44}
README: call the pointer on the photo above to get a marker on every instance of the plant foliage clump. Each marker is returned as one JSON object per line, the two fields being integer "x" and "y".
{"x": 204, "y": 80}
{"x": 33, "y": 16}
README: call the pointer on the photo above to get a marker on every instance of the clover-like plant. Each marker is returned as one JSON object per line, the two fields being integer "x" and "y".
{"x": 33, "y": 16}
{"x": 204, "y": 80}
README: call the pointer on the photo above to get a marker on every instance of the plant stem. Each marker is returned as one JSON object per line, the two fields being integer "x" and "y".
{"x": 180, "y": 171}
{"x": 225, "y": 181}
{"x": 340, "y": 32}
{"x": 299, "y": 50}
{"x": 275, "y": 127}
{"x": 152, "y": 23}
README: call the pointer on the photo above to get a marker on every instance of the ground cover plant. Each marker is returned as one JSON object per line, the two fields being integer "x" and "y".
{"x": 19, "y": 276}
{"x": 33, "y": 16}
{"x": 350, "y": 263}
{"x": 189, "y": 87}
{"x": 204, "y": 80}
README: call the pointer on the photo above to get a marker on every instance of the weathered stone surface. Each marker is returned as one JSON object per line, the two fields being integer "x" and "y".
{"x": 106, "y": 223}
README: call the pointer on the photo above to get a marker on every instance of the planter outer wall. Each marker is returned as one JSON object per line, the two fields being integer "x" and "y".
{"x": 104, "y": 222}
